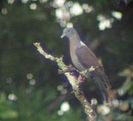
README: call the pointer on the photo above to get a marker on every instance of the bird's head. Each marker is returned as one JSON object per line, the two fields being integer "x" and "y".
{"x": 68, "y": 32}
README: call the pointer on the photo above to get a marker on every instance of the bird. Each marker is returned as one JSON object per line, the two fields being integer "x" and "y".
{"x": 83, "y": 58}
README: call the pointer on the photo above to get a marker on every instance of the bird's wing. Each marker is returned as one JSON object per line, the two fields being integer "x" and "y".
{"x": 87, "y": 58}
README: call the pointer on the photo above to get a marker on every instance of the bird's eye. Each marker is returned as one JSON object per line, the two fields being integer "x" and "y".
{"x": 69, "y": 31}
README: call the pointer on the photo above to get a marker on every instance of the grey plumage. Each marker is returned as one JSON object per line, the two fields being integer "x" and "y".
{"x": 83, "y": 58}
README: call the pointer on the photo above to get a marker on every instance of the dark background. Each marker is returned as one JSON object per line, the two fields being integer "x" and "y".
{"x": 31, "y": 88}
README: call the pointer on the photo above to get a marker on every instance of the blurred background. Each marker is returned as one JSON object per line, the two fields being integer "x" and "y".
{"x": 31, "y": 88}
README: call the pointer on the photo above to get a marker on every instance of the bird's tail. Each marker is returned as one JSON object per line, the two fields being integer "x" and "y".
{"x": 103, "y": 84}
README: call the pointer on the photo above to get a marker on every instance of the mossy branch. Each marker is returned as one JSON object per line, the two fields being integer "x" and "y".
{"x": 75, "y": 83}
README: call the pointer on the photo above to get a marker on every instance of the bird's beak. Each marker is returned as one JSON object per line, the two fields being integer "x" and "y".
{"x": 63, "y": 35}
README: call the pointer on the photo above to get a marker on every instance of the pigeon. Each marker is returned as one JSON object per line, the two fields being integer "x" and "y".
{"x": 83, "y": 58}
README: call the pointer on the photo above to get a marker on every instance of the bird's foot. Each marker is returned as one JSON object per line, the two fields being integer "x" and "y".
{"x": 81, "y": 79}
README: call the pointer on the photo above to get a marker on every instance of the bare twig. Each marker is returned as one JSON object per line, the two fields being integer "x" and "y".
{"x": 75, "y": 83}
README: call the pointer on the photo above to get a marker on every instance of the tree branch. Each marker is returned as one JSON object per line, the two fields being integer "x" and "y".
{"x": 75, "y": 83}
